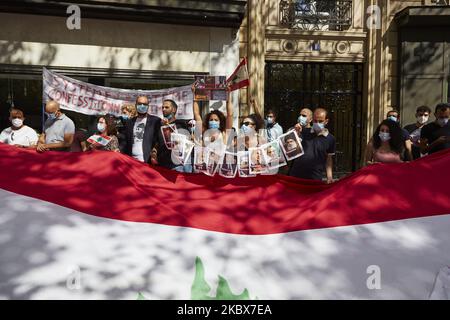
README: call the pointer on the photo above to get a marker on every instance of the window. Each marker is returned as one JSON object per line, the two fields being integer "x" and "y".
{"x": 334, "y": 15}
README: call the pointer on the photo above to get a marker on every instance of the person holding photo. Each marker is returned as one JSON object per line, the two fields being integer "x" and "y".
{"x": 164, "y": 154}
{"x": 214, "y": 127}
{"x": 215, "y": 121}
{"x": 319, "y": 147}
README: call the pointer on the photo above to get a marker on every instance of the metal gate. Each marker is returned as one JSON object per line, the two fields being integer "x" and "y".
{"x": 336, "y": 87}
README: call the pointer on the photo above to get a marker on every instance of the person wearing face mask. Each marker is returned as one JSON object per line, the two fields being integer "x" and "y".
{"x": 213, "y": 128}
{"x": 59, "y": 130}
{"x": 141, "y": 132}
{"x": 435, "y": 136}
{"x": 303, "y": 121}
{"x": 163, "y": 154}
{"x": 128, "y": 113}
{"x": 394, "y": 116}
{"x": 273, "y": 129}
{"x": 319, "y": 146}
{"x": 414, "y": 129}
{"x": 106, "y": 128}
{"x": 18, "y": 134}
{"x": 386, "y": 145}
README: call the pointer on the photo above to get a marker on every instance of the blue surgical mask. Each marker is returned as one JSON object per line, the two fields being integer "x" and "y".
{"x": 142, "y": 108}
{"x": 269, "y": 120}
{"x": 101, "y": 127}
{"x": 302, "y": 120}
{"x": 318, "y": 127}
{"x": 125, "y": 117}
{"x": 384, "y": 136}
{"x": 51, "y": 116}
{"x": 214, "y": 124}
{"x": 169, "y": 116}
{"x": 392, "y": 118}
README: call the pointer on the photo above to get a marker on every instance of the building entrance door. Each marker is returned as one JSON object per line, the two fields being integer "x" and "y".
{"x": 336, "y": 87}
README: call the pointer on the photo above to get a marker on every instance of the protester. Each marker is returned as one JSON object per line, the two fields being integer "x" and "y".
{"x": 59, "y": 130}
{"x": 215, "y": 122}
{"x": 128, "y": 112}
{"x": 106, "y": 129}
{"x": 215, "y": 129}
{"x": 304, "y": 120}
{"x": 252, "y": 131}
{"x": 414, "y": 129}
{"x": 79, "y": 143}
{"x": 273, "y": 129}
{"x": 141, "y": 132}
{"x": 163, "y": 153}
{"x": 394, "y": 115}
{"x": 435, "y": 136}
{"x": 387, "y": 144}
{"x": 18, "y": 134}
{"x": 319, "y": 146}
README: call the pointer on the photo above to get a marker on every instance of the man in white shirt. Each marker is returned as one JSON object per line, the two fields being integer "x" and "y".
{"x": 18, "y": 134}
{"x": 274, "y": 130}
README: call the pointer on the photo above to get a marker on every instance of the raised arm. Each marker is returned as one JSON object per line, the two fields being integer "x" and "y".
{"x": 229, "y": 122}
{"x": 196, "y": 109}
{"x": 256, "y": 107}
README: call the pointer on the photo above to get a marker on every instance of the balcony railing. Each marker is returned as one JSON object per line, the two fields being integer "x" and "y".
{"x": 334, "y": 15}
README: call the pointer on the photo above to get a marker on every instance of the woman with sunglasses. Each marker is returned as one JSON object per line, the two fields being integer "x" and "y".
{"x": 251, "y": 127}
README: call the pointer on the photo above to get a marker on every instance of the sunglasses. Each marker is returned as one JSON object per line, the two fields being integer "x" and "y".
{"x": 248, "y": 123}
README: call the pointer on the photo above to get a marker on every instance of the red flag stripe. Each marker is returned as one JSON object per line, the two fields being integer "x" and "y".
{"x": 115, "y": 186}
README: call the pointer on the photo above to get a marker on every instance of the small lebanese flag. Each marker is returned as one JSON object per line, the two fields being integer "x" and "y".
{"x": 105, "y": 226}
{"x": 99, "y": 140}
{"x": 239, "y": 78}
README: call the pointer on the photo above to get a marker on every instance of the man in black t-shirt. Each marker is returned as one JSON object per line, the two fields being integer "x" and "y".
{"x": 414, "y": 129}
{"x": 435, "y": 136}
{"x": 164, "y": 155}
{"x": 319, "y": 147}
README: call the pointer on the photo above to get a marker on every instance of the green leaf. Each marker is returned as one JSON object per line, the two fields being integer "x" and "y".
{"x": 224, "y": 292}
{"x": 140, "y": 297}
{"x": 200, "y": 289}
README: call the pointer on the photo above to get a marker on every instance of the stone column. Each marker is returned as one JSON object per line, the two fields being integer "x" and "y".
{"x": 257, "y": 17}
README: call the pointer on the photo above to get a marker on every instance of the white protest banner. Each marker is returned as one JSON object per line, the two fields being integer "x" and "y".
{"x": 91, "y": 99}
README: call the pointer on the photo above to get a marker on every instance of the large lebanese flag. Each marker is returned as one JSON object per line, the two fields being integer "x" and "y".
{"x": 100, "y": 225}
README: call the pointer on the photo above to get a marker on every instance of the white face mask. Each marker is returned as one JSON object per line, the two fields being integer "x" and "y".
{"x": 385, "y": 136}
{"x": 101, "y": 127}
{"x": 422, "y": 119}
{"x": 442, "y": 121}
{"x": 16, "y": 122}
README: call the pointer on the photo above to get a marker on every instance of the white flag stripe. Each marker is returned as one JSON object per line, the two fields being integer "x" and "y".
{"x": 42, "y": 245}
